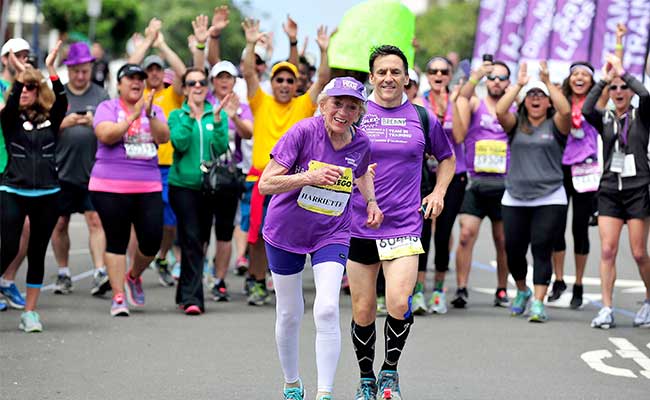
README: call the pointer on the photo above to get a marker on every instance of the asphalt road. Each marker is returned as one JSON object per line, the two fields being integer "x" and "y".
{"x": 229, "y": 352}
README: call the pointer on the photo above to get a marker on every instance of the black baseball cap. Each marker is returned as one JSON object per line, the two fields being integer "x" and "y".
{"x": 131, "y": 70}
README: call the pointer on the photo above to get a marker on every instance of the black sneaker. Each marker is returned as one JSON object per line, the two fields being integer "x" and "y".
{"x": 63, "y": 284}
{"x": 460, "y": 301}
{"x": 501, "y": 298}
{"x": 220, "y": 292}
{"x": 576, "y": 300}
{"x": 556, "y": 292}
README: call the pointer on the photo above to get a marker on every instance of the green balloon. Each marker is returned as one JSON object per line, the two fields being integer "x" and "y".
{"x": 368, "y": 25}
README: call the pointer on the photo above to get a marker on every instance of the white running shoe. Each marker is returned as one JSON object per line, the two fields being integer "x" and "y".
{"x": 604, "y": 319}
{"x": 642, "y": 317}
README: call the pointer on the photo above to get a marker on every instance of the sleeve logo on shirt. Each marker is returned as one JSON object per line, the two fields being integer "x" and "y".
{"x": 393, "y": 121}
{"x": 351, "y": 158}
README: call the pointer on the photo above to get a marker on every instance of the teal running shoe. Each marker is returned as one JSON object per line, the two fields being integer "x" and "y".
{"x": 418, "y": 304}
{"x": 537, "y": 313}
{"x": 367, "y": 389}
{"x": 294, "y": 393}
{"x": 388, "y": 383}
{"x": 437, "y": 303}
{"x": 520, "y": 302}
{"x": 30, "y": 322}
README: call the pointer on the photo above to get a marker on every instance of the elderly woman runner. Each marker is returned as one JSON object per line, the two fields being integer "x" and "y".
{"x": 311, "y": 172}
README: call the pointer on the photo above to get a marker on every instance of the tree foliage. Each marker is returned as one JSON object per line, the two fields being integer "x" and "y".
{"x": 446, "y": 28}
{"x": 177, "y": 16}
{"x": 118, "y": 21}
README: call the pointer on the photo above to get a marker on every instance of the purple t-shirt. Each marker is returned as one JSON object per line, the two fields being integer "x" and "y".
{"x": 447, "y": 126}
{"x": 306, "y": 219}
{"x": 130, "y": 165}
{"x": 397, "y": 145}
{"x": 578, "y": 150}
{"x": 485, "y": 129}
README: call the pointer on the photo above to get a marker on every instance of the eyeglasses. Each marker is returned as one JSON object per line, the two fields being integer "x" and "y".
{"x": 202, "y": 83}
{"x": 434, "y": 71}
{"x": 614, "y": 88}
{"x": 289, "y": 81}
{"x": 31, "y": 86}
{"x": 535, "y": 93}
{"x": 502, "y": 78}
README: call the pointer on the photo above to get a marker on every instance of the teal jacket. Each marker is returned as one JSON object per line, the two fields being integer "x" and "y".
{"x": 192, "y": 142}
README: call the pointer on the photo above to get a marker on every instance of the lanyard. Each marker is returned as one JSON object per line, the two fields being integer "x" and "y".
{"x": 434, "y": 105}
{"x": 576, "y": 113}
{"x": 135, "y": 126}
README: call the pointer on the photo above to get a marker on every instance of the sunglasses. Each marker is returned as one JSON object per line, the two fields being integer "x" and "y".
{"x": 502, "y": 78}
{"x": 259, "y": 61}
{"x": 535, "y": 93}
{"x": 434, "y": 71}
{"x": 290, "y": 81}
{"x": 31, "y": 86}
{"x": 202, "y": 82}
{"x": 614, "y": 88}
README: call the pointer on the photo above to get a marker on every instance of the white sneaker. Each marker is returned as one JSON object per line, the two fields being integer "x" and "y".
{"x": 30, "y": 322}
{"x": 604, "y": 319}
{"x": 642, "y": 317}
{"x": 438, "y": 303}
{"x": 418, "y": 304}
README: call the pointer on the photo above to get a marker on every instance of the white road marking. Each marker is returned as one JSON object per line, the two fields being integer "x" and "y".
{"x": 626, "y": 350}
{"x": 594, "y": 359}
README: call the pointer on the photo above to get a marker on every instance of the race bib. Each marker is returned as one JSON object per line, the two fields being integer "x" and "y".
{"x": 390, "y": 249}
{"x": 327, "y": 199}
{"x": 585, "y": 177}
{"x": 490, "y": 156}
{"x": 140, "y": 151}
{"x": 629, "y": 166}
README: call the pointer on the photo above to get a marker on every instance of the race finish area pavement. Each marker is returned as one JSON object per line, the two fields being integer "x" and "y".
{"x": 229, "y": 352}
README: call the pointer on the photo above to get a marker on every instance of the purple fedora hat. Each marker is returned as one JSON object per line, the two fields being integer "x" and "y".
{"x": 78, "y": 53}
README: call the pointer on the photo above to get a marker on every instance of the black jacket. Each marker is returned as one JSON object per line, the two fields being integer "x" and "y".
{"x": 637, "y": 138}
{"x": 31, "y": 146}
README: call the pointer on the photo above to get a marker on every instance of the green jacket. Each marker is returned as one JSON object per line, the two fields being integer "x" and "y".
{"x": 192, "y": 143}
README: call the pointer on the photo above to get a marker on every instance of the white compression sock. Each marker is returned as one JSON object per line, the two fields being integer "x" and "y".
{"x": 327, "y": 277}
{"x": 289, "y": 308}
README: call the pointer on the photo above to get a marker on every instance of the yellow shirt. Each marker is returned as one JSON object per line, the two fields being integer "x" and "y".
{"x": 271, "y": 120}
{"x": 168, "y": 100}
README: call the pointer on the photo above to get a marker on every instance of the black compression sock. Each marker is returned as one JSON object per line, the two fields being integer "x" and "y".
{"x": 395, "y": 332}
{"x": 363, "y": 341}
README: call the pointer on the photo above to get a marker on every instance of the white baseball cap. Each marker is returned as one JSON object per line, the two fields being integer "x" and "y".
{"x": 223, "y": 66}
{"x": 16, "y": 45}
{"x": 534, "y": 85}
{"x": 260, "y": 51}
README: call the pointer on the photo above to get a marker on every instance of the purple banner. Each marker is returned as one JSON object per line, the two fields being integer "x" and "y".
{"x": 512, "y": 31}
{"x": 488, "y": 29}
{"x": 636, "y": 40}
{"x": 608, "y": 15}
{"x": 538, "y": 28}
{"x": 572, "y": 30}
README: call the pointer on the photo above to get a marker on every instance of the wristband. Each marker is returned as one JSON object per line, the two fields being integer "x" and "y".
{"x": 371, "y": 200}
{"x": 618, "y": 46}
{"x": 215, "y": 37}
{"x": 293, "y": 42}
{"x": 152, "y": 115}
{"x": 200, "y": 46}
{"x": 54, "y": 78}
{"x": 473, "y": 81}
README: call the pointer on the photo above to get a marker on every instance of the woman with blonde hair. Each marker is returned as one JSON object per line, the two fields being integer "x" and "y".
{"x": 29, "y": 185}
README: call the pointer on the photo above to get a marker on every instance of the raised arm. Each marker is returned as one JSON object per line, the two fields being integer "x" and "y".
{"x": 60, "y": 106}
{"x": 159, "y": 128}
{"x": 291, "y": 29}
{"x": 462, "y": 117}
{"x": 252, "y": 33}
{"x": 200, "y": 28}
{"x": 323, "y": 40}
{"x": 562, "y": 117}
{"x": 150, "y": 34}
{"x": 219, "y": 22}
{"x": 174, "y": 61}
{"x": 467, "y": 91}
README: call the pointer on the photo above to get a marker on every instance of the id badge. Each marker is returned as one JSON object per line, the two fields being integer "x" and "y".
{"x": 390, "y": 249}
{"x": 629, "y": 167}
{"x": 577, "y": 133}
{"x": 618, "y": 162}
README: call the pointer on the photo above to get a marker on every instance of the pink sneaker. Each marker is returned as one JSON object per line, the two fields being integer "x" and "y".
{"x": 133, "y": 289}
{"x": 192, "y": 310}
{"x": 119, "y": 307}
